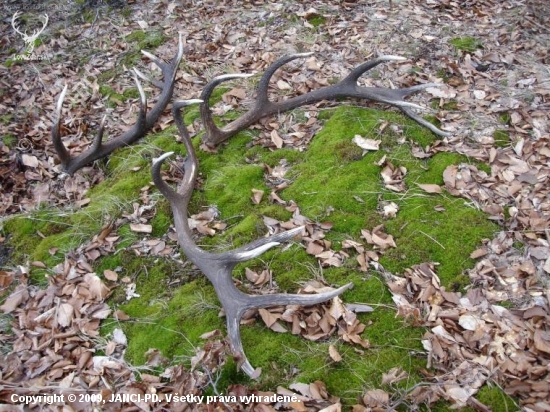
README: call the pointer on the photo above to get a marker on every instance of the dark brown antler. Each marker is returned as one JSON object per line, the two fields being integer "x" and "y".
{"x": 218, "y": 266}
{"x": 143, "y": 124}
{"x": 347, "y": 87}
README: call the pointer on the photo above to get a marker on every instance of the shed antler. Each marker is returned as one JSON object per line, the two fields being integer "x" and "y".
{"x": 347, "y": 87}
{"x": 144, "y": 123}
{"x": 218, "y": 266}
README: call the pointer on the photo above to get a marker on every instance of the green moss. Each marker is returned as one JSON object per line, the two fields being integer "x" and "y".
{"x": 327, "y": 181}
{"x": 505, "y": 118}
{"x": 136, "y": 36}
{"x": 317, "y": 20}
{"x": 6, "y": 119}
{"x": 146, "y": 40}
{"x": 502, "y": 138}
{"x": 493, "y": 395}
{"x": 467, "y": 44}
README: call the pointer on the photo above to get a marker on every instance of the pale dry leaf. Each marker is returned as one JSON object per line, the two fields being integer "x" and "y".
{"x": 282, "y": 85}
{"x": 276, "y": 139}
{"x": 65, "y": 314}
{"x": 110, "y": 275}
{"x": 376, "y": 398}
{"x": 257, "y": 196}
{"x": 470, "y": 322}
{"x": 97, "y": 288}
{"x": 430, "y": 188}
{"x": 366, "y": 144}
{"x": 29, "y": 160}
{"x": 333, "y": 352}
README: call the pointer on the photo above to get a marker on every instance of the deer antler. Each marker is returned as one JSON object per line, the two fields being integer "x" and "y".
{"x": 217, "y": 267}
{"x": 347, "y": 87}
{"x": 143, "y": 124}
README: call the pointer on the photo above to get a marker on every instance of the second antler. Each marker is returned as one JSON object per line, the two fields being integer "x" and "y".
{"x": 144, "y": 123}
{"x": 347, "y": 87}
{"x": 217, "y": 267}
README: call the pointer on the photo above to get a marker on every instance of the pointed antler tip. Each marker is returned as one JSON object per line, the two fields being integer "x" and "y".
{"x": 305, "y": 54}
{"x": 162, "y": 157}
{"x": 230, "y": 76}
{"x": 149, "y": 55}
{"x": 61, "y": 99}
{"x": 390, "y": 57}
{"x": 183, "y": 103}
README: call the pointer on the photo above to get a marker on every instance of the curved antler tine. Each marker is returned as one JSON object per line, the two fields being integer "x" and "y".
{"x": 161, "y": 185}
{"x": 259, "y": 246}
{"x": 154, "y": 82}
{"x": 178, "y": 56}
{"x": 206, "y": 113}
{"x": 191, "y": 162}
{"x": 420, "y": 120}
{"x": 264, "y": 301}
{"x": 361, "y": 69}
{"x": 152, "y": 57}
{"x": 177, "y": 106}
{"x": 142, "y": 115}
{"x": 270, "y": 71}
{"x": 212, "y": 84}
{"x": 99, "y": 137}
{"x": 58, "y": 145}
{"x": 233, "y": 331}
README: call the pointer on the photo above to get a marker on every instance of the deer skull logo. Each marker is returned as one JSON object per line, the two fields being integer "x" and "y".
{"x": 29, "y": 39}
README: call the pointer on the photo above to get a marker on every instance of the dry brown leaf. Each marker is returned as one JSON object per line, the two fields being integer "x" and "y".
{"x": 333, "y": 352}
{"x": 65, "y": 314}
{"x": 430, "y": 188}
{"x": 257, "y": 196}
{"x": 276, "y": 139}
{"x": 110, "y": 275}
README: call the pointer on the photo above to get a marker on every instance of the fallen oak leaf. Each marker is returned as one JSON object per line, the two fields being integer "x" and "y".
{"x": 430, "y": 188}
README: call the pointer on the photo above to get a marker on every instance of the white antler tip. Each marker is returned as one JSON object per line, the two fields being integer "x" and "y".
{"x": 224, "y": 77}
{"x": 305, "y": 54}
{"x": 149, "y": 55}
{"x": 392, "y": 58}
{"x": 182, "y": 103}
{"x": 162, "y": 157}
{"x": 61, "y": 98}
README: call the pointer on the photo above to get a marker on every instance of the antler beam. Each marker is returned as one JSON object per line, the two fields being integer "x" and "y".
{"x": 217, "y": 267}
{"x": 347, "y": 87}
{"x": 144, "y": 123}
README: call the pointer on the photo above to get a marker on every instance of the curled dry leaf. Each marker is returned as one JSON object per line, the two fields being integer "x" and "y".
{"x": 366, "y": 144}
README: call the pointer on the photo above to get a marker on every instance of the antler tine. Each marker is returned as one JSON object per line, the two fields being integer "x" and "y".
{"x": 217, "y": 267}
{"x": 354, "y": 75}
{"x": 347, "y": 87}
{"x": 259, "y": 246}
{"x": 270, "y": 71}
{"x": 58, "y": 145}
{"x": 206, "y": 113}
{"x": 144, "y": 122}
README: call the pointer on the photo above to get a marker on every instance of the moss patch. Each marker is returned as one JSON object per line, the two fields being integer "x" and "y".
{"x": 467, "y": 44}
{"x": 331, "y": 181}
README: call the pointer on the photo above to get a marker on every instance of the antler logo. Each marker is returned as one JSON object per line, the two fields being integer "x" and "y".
{"x": 29, "y": 39}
